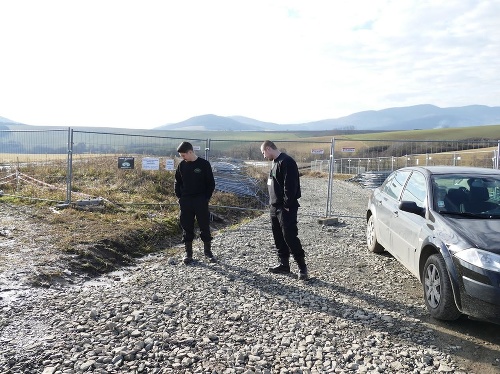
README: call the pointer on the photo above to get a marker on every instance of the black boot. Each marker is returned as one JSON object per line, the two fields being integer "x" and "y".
{"x": 207, "y": 250}
{"x": 282, "y": 268}
{"x": 303, "y": 274}
{"x": 189, "y": 252}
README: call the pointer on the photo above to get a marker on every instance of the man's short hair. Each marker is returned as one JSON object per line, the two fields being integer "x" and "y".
{"x": 269, "y": 144}
{"x": 184, "y": 147}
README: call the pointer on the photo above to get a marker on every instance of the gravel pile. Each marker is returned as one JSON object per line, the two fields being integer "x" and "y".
{"x": 353, "y": 316}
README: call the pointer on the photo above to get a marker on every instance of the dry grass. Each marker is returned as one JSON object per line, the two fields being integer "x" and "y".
{"x": 11, "y": 158}
{"x": 138, "y": 213}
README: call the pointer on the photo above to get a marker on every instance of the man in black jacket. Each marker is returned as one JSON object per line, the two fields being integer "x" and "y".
{"x": 194, "y": 185}
{"x": 284, "y": 192}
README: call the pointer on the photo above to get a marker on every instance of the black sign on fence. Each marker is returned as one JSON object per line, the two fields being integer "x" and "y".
{"x": 125, "y": 162}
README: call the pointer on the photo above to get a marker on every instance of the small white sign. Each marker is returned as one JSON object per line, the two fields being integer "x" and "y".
{"x": 169, "y": 164}
{"x": 348, "y": 149}
{"x": 317, "y": 151}
{"x": 196, "y": 147}
{"x": 149, "y": 163}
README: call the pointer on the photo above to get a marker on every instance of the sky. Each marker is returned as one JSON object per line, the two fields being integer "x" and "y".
{"x": 146, "y": 63}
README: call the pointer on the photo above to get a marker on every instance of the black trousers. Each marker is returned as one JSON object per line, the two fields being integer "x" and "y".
{"x": 194, "y": 207}
{"x": 285, "y": 232}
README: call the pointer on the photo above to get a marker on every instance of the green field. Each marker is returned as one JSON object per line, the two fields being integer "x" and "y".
{"x": 30, "y": 140}
{"x": 454, "y": 133}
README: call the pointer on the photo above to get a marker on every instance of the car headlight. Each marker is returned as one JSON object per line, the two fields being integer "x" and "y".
{"x": 483, "y": 259}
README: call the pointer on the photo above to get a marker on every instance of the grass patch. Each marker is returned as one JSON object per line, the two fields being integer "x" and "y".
{"x": 137, "y": 215}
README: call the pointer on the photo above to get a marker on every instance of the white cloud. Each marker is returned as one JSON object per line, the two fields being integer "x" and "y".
{"x": 145, "y": 63}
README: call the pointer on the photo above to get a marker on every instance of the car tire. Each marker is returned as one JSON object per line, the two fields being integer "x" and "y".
{"x": 438, "y": 293}
{"x": 371, "y": 236}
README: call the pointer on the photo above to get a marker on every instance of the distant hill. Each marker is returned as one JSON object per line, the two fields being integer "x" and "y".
{"x": 211, "y": 122}
{"x": 424, "y": 116}
{"x": 254, "y": 122}
{"x": 417, "y": 117}
{"x": 3, "y": 119}
{"x": 4, "y": 122}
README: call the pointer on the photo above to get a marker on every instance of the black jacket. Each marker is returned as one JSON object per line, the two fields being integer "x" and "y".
{"x": 194, "y": 178}
{"x": 284, "y": 182}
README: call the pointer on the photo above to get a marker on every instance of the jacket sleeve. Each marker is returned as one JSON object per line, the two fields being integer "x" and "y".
{"x": 178, "y": 182}
{"x": 210, "y": 182}
{"x": 290, "y": 182}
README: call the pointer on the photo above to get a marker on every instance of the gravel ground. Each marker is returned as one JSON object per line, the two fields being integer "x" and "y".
{"x": 360, "y": 312}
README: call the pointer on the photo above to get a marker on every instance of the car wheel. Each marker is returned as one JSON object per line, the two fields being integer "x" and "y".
{"x": 371, "y": 237}
{"x": 438, "y": 293}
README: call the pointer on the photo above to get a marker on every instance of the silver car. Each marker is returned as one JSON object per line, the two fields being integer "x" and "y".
{"x": 443, "y": 225}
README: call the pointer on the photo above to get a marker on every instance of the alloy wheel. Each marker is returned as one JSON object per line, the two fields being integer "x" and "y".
{"x": 370, "y": 233}
{"x": 433, "y": 286}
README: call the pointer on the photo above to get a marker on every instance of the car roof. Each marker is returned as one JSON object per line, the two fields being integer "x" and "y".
{"x": 439, "y": 170}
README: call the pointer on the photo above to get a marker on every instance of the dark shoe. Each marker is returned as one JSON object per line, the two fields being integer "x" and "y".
{"x": 303, "y": 274}
{"x": 209, "y": 255}
{"x": 207, "y": 251}
{"x": 280, "y": 269}
{"x": 189, "y": 253}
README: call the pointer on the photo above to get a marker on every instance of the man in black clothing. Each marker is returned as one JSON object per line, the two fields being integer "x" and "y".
{"x": 284, "y": 192}
{"x": 194, "y": 186}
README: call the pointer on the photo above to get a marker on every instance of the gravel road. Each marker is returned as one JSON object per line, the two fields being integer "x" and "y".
{"x": 360, "y": 312}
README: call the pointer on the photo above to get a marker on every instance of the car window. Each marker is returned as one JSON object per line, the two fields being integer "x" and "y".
{"x": 385, "y": 186}
{"x": 467, "y": 193}
{"x": 395, "y": 183}
{"x": 416, "y": 189}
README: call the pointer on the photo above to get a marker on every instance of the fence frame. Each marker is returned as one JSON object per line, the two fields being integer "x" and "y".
{"x": 332, "y": 157}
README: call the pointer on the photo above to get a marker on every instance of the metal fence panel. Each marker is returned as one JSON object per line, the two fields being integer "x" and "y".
{"x": 33, "y": 163}
{"x": 359, "y": 156}
{"x": 246, "y": 155}
{"x": 95, "y": 151}
{"x": 59, "y": 164}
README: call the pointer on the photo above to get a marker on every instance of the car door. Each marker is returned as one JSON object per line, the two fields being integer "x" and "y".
{"x": 386, "y": 201}
{"x": 406, "y": 227}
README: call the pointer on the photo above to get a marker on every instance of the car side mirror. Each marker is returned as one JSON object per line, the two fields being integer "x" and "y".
{"x": 411, "y": 207}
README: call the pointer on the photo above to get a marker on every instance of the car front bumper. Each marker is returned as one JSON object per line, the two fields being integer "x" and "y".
{"x": 479, "y": 292}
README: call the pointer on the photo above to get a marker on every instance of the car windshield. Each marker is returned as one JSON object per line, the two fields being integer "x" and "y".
{"x": 467, "y": 195}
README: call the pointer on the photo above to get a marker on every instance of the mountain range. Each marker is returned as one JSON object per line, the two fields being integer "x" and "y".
{"x": 5, "y": 120}
{"x": 423, "y": 116}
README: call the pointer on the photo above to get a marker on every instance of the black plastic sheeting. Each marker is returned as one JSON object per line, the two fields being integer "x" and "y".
{"x": 371, "y": 179}
{"x": 232, "y": 178}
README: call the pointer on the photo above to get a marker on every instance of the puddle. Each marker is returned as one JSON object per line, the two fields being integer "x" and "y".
{"x": 107, "y": 280}
{"x": 15, "y": 294}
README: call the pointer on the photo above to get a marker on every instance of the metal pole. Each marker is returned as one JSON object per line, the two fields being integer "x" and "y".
{"x": 207, "y": 149}
{"x": 69, "y": 176}
{"x": 497, "y": 163}
{"x": 330, "y": 179}
{"x": 17, "y": 179}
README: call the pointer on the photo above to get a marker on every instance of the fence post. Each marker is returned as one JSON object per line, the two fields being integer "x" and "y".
{"x": 497, "y": 163}
{"x": 17, "y": 179}
{"x": 207, "y": 149}
{"x": 69, "y": 174}
{"x": 330, "y": 179}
